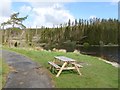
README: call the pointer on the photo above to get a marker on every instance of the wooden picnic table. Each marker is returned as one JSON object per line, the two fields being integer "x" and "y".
{"x": 68, "y": 64}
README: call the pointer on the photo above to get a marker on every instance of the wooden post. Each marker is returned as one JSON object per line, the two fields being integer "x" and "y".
{"x": 61, "y": 69}
{"x": 77, "y": 69}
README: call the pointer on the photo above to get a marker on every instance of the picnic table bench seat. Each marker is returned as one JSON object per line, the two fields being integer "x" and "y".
{"x": 78, "y": 65}
{"x": 54, "y": 65}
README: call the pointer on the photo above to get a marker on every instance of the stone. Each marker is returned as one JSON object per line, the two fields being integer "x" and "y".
{"x": 76, "y": 51}
{"x": 62, "y": 50}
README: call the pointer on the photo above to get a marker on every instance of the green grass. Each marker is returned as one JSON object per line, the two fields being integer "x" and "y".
{"x": 0, "y": 73}
{"x": 4, "y": 70}
{"x": 97, "y": 74}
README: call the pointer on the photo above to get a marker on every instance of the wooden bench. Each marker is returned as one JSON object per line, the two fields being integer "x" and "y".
{"x": 54, "y": 65}
{"x": 78, "y": 65}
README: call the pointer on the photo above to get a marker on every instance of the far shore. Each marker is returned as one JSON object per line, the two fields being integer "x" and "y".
{"x": 101, "y": 46}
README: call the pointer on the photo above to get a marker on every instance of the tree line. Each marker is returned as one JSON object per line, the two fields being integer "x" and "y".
{"x": 94, "y": 31}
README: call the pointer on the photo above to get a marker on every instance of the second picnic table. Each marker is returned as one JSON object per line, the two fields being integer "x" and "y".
{"x": 65, "y": 66}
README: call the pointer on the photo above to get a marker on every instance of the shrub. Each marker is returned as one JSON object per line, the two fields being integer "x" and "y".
{"x": 69, "y": 45}
{"x": 101, "y": 43}
{"x": 110, "y": 44}
{"x": 86, "y": 45}
{"x": 49, "y": 46}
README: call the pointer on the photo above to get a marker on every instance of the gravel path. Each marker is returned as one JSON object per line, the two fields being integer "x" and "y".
{"x": 26, "y": 73}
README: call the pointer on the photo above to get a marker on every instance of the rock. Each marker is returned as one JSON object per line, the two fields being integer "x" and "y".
{"x": 30, "y": 49}
{"x": 62, "y": 50}
{"x": 21, "y": 83}
{"x": 37, "y": 67}
{"x": 16, "y": 71}
{"x": 76, "y": 51}
{"x": 54, "y": 49}
{"x": 39, "y": 48}
{"x": 25, "y": 73}
{"x": 49, "y": 50}
{"x": 13, "y": 70}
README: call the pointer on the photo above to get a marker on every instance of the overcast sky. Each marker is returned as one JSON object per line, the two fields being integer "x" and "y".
{"x": 49, "y": 13}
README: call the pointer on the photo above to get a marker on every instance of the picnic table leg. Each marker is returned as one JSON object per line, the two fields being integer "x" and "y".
{"x": 61, "y": 69}
{"x": 54, "y": 60}
{"x": 78, "y": 70}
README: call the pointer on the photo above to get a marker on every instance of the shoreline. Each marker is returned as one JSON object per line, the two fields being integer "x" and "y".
{"x": 115, "y": 64}
{"x": 101, "y": 46}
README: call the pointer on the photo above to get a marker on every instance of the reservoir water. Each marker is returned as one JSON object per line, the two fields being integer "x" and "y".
{"x": 109, "y": 53}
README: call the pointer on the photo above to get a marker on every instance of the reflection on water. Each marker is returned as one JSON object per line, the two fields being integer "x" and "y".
{"x": 108, "y": 53}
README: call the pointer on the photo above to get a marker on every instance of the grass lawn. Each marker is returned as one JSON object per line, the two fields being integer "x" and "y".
{"x": 97, "y": 74}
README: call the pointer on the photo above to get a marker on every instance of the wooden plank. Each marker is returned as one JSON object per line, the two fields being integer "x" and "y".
{"x": 54, "y": 65}
{"x": 77, "y": 69}
{"x": 69, "y": 68}
{"x": 78, "y": 65}
{"x": 65, "y": 59}
{"x": 61, "y": 69}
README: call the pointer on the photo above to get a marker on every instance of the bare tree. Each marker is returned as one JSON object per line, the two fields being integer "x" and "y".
{"x": 14, "y": 21}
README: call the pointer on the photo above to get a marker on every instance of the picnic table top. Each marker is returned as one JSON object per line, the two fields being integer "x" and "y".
{"x": 65, "y": 59}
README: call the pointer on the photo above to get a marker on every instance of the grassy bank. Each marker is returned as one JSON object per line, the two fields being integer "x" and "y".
{"x": 4, "y": 70}
{"x": 95, "y": 73}
{"x": 0, "y": 73}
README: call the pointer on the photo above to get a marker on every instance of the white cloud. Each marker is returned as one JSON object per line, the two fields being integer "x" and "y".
{"x": 114, "y": 2}
{"x": 92, "y": 17}
{"x": 3, "y": 19}
{"x": 48, "y": 14}
{"x": 5, "y": 10}
{"x": 65, "y": 0}
{"x": 24, "y": 10}
{"x": 48, "y": 0}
